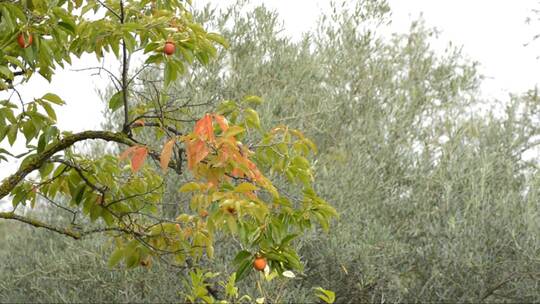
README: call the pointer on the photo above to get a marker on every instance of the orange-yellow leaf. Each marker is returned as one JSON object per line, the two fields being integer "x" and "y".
{"x": 236, "y": 172}
{"x": 197, "y": 150}
{"x": 223, "y": 155}
{"x": 251, "y": 195}
{"x": 166, "y": 154}
{"x": 213, "y": 178}
{"x": 138, "y": 123}
{"x": 127, "y": 152}
{"x": 204, "y": 128}
{"x": 137, "y": 160}
{"x": 245, "y": 187}
{"x": 222, "y": 122}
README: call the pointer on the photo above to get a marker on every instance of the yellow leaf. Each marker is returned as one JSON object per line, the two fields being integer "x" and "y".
{"x": 233, "y": 131}
{"x": 189, "y": 187}
{"x": 245, "y": 187}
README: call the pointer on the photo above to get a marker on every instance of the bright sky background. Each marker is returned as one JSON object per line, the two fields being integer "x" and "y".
{"x": 492, "y": 32}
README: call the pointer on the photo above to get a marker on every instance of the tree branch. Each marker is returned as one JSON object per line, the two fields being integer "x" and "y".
{"x": 79, "y": 171}
{"x": 40, "y": 224}
{"x": 109, "y": 9}
{"x": 36, "y": 161}
{"x": 125, "y": 67}
{"x": 65, "y": 231}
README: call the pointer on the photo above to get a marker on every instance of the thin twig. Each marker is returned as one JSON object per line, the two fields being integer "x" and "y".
{"x": 109, "y": 9}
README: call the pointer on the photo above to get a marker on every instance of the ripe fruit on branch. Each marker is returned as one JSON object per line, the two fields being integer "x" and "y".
{"x": 169, "y": 48}
{"x": 24, "y": 41}
{"x": 259, "y": 263}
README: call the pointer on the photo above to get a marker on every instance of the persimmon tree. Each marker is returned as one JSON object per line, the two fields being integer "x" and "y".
{"x": 229, "y": 157}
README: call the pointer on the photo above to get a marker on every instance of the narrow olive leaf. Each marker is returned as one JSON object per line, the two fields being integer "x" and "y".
{"x": 166, "y": 154}
{"x": 137, "y": 160}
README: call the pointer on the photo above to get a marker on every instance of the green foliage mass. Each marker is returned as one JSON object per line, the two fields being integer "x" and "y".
{"x": 438, "y": 200}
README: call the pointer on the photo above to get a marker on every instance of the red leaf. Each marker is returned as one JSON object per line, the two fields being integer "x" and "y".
{"x": 137, "y": 160}
{"x": 166, "y": 154}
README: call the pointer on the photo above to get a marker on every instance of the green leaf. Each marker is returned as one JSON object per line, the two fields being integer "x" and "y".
{"x": 49, "y": 109}
{"x": 241, "y": 257}
{"x": 12, "y": 134}
{"x": 243, "y": 270}
{"x": 14, "y": 61}
{"x": 116, "y": 101}
{"x": 5, "y": 72}
{"x": 133, "y": 257}
{"x": 252, "y": 118}
{"x": 53, "y": 98}
{"x": 230, "y": 288}
{"x": 327, "y": 296}
{"x": 70, "y": 27}
{"x": 45, "y": 170}
{"x": 256, "y": 100}
{"x": 169, "y": 74}
{"x": 288, "y": 239}
{"x": 79, "y": 194}
{"x": 151, "y": 46}
{"x": 29, "y": 131}
{"x": 156, "y": 58}
{"x": 116, "y": 256}
{"x": 233, "y": 131}
{"x": 173, "y": 68}
{"x": 218, "y": 38}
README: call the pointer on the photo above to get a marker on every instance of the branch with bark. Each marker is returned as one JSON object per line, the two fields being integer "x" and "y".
{"x": 36, "y": 161}
{"x": 65, "y": 231}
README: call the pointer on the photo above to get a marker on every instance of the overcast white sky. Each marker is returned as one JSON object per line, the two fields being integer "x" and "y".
{"x": 491, "y": 31}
